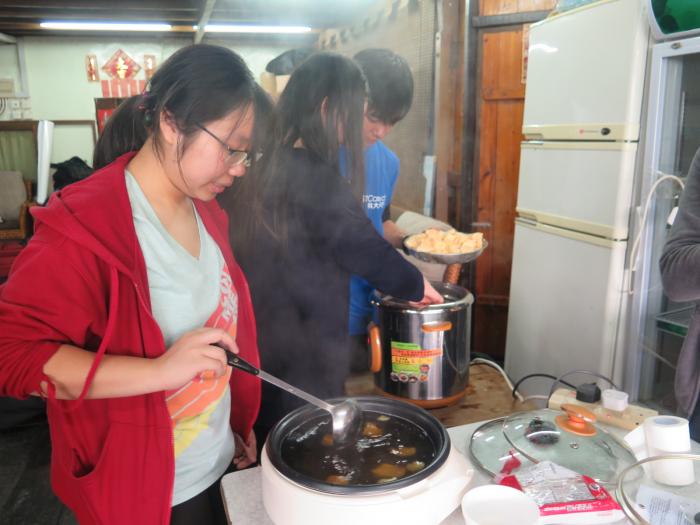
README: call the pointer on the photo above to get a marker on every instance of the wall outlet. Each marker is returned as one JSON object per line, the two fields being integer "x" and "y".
{"x": 16, "y": 114}
{"x": 25, "y": 103}
{"x": 629, "y": 419}
{"x": 14, "y": 103}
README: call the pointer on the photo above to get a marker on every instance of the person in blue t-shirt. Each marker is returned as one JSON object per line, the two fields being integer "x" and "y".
{"x": 390, "y": 86}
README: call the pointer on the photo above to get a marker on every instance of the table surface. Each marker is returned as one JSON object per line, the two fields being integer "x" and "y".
{"x": 242, "y": 491}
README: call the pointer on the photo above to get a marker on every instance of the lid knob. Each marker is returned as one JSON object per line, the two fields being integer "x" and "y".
{"x": 577, "y": 420}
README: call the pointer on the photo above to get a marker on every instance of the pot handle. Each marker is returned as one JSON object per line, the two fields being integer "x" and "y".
{"x": 444, "y": 326}
{"x": 577, "y": 420}
{"x": 452, "y": 272}
{"x": 375, "y": 348}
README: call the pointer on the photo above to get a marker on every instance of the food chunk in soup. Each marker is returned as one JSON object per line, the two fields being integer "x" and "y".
{"x": 389, "y": 448}
{"x": 387, "y": 470}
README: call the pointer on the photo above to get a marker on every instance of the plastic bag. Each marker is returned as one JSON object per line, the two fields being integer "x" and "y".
{"x": 564, "y": 496}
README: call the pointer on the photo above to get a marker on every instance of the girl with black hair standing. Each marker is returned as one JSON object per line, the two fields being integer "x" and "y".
{"x": 307, "y": 232}
{"x": 113, "y": 310}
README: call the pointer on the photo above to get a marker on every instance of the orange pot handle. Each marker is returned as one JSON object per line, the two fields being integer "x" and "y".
{"x": 452, "y": 272}
{"x": 375, "y": 348}
{"x": 437, "y": 327}
{"x": 577, "y": 420}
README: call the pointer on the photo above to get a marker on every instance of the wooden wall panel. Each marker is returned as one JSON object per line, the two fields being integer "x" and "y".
{"x": 507, "y": 7}
{"x": 499, "y": 159}
{"x": 497, "y": 7}
{"x": 502, "y": 73}
{"x": 501, "y": 103}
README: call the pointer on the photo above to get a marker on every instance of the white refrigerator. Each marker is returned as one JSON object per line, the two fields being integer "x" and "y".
{"x": 583, "y": 100}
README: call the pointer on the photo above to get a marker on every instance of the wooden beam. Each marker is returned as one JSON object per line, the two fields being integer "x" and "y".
{"x": 468, "y": 204}
{"x": 7, "y": 39}
{"x": 204, "y": 20}
{"x": 448, "y": 62}
{"x": 509, "y": 19}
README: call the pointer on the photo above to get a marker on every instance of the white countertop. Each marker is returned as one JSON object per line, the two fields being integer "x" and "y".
{"x": 242, "y": 491}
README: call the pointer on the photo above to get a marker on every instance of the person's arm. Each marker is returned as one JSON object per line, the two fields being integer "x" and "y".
{"x": 123, "y": 376}
{"x": 334, "y": 215}
{"x": 393, "y": 234}
{"x": 680, "y": 261}
{"x": 47, "y": 313}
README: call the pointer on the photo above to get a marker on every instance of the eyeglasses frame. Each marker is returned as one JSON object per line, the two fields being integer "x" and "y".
{"x": 230, "y": 152}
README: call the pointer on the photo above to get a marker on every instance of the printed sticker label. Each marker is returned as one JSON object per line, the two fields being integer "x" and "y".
{"x": 410, "y": 362}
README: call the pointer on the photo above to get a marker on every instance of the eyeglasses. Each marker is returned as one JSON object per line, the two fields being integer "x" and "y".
{"x": 234, "y": 157}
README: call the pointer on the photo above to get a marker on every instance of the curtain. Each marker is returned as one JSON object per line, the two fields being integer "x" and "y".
{"x": 18, "y": 153}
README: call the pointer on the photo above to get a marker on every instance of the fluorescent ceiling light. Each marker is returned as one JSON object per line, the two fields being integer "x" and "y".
{"x": 233, "y": 28}
{"x": 106, "y": 26}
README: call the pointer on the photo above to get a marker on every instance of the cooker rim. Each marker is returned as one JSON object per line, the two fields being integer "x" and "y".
{"x": 381, "y": 300}
{"x": 375, "y": 403}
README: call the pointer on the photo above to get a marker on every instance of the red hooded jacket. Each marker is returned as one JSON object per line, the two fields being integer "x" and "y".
{"x": 82, "y": 280}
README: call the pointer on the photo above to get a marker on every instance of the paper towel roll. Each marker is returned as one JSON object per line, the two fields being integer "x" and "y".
{"x": 669, "y": 435}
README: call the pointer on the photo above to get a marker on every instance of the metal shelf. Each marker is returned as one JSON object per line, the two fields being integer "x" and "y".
{"x": 675, "y": 322}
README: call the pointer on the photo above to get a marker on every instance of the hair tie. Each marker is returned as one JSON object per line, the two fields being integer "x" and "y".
{"x": 146, "y": 107}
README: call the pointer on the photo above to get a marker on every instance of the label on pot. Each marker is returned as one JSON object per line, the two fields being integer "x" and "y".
{"x": 410, "y": 362}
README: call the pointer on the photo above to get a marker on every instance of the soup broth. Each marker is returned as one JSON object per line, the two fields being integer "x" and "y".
{"x": 389, "y": 448}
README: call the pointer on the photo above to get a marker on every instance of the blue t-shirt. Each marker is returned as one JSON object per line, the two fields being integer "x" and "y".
{"x": 381, "y": 172}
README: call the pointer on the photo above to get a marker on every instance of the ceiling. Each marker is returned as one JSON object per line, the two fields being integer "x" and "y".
{"x": 22, "y": 17}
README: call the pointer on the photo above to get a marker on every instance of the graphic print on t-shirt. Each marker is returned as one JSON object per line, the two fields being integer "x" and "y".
{"x": 191, "y": 405}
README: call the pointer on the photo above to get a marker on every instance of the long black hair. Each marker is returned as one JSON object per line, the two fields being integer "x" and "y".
{"x": 325, "y": 97}
{"x": 320, "y": 109}
{"x": 196, "y": 85}
{"x": 242, "y": 200}
{"x": 124, "y": 131}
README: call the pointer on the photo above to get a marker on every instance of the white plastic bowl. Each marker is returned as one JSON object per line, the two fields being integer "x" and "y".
{"x": 499, "y": 505}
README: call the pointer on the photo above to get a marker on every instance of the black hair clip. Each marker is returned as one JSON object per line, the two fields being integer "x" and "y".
{"x": 146, "y": 107}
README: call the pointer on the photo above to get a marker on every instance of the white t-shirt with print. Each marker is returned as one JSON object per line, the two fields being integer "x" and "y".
{"x": 190, "y": 292}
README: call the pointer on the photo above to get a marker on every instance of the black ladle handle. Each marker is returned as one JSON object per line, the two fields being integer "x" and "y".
{"x": 237, "y": 362}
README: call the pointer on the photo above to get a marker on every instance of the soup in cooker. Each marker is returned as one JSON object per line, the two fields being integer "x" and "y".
{"x": 389, "y": 448}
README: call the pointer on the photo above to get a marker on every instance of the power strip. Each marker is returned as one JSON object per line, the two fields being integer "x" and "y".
{"x": 629, "y": 419}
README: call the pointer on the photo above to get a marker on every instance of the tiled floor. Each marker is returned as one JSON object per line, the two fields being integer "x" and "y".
{"x": 25, "y": 493}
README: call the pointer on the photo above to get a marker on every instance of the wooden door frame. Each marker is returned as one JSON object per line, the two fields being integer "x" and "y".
{"x": 474, "y": 28}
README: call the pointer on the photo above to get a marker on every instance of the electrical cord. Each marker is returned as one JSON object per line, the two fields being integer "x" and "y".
{"x": 572, "y": 372}
{"x": 487, "y": 356}
{"x": 548, "y": 376}
{"x": 557, "y": 380}
{"x": 634, "y": 254}
{"x": 536, "y": 396}
{"x": 489, "y": 362}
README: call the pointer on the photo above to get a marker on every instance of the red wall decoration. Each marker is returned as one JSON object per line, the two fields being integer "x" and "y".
{"x": 121, "y": 66}
{"x": 93, "y": 73}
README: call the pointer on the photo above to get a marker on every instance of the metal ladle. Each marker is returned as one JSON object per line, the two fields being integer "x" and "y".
{"x": 345, "y": 416}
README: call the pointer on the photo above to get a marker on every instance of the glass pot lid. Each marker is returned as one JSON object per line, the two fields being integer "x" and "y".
{"x": 570, "y": 439}
{"x": 491, "y": 451}
{"x": 661, "y": 488}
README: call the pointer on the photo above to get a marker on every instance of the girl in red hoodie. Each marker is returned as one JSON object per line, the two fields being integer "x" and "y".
{"x": 112, "y": 310}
